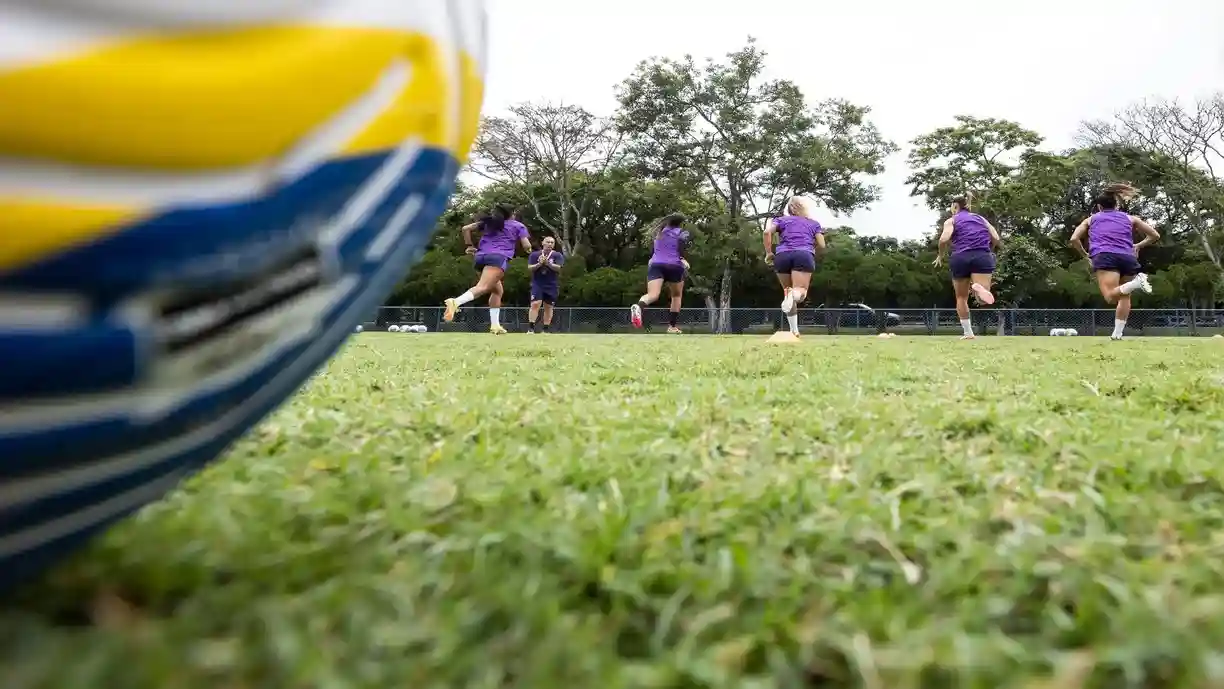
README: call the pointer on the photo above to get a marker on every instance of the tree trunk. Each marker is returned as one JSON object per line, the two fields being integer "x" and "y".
{"x": 724, "y": 299}
{"x": 577, "y": 233}
{"x": 562, "y": 183}
{"x": 711, "y": 311}
{"x": 1211, "y": 254}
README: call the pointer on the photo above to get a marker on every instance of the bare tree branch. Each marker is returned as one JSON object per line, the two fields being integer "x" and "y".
{"x": 541, "y": 148}
{"x": 1193, "y": 137}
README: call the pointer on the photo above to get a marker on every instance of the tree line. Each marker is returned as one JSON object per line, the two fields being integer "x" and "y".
{"x": 722, "y": 144}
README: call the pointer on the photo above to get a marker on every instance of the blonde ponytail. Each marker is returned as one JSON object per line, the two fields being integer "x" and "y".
{"x": 1121, "y": 190}
{"x": 802, "y": 206}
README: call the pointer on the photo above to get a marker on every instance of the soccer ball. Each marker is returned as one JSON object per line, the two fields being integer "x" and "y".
{"x": 199, "y": 202}
{"x": 358, "y": 329}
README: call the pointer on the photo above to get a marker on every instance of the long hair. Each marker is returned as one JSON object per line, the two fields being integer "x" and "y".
{"x": 669, "y": 220}
{"x": 652, "y": 229}
{"x": 495, "y": 221}
{"x": 1121, "y": 191}
{"x": 801, "y": 206}
{"x": 965, "y": 201}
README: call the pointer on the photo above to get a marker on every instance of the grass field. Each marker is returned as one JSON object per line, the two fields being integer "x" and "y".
{"x": 646, "y": 511}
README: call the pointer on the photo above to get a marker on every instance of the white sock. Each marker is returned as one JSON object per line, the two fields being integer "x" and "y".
{"x": 793, "y": 320}
{"x": 465, "y": 298}
{"x": 967, "y": 326}
{"x": 494, "y": 316}
{"x": 798, "y": 294}
{"x": 1128, "y": 287}
{"x": 1119, "y": 326}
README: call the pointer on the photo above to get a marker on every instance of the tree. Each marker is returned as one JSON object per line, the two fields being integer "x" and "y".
{"x": 725, "y": 147}
{"x": 749, "y": 141}
{"x": 1016, "y": 183}
{"x": 545, "y": 150}
{"x": 1024, "y": 267}
{"x": 977, "y": 154}
{"x": 621, "y": 205}
{"x": 1188, "y": 143}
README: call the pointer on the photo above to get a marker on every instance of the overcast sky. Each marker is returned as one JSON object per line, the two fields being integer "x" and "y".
{"x": 1046, "y": 64}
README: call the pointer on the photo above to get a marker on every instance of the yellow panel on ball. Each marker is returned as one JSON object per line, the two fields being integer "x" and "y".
{"x": 58, "y": 225}
{"x": 420, "y": 109}
{"x": 188, "y": 100}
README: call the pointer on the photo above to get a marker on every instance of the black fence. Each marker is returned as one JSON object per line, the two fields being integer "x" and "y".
{"x": 840, "y": 321}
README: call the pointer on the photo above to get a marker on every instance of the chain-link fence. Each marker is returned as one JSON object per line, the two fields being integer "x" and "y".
{"x": 839, "y": 321}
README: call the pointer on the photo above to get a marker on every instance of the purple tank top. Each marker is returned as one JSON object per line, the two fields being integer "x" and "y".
{"x": 1110, "y": 232}
{"x": 501, "y": 243}
{"x": 969, "y": 233}
{"x": 667, "y": 246}
{"x": 796, "y": 233}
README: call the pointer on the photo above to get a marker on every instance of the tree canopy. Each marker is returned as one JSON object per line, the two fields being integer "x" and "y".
{"x": 721, "y": 143}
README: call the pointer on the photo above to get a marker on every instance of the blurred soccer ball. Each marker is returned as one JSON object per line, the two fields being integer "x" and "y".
{"x": 199, "y": 202}
{"x": 358, "y": 329}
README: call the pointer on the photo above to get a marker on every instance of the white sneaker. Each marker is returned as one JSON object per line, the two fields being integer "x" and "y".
{"x": 1115, "y": 337}
{"x": 788, "y": 303}
{"x": 1144, "y": 283}
{"x": 968, "y": 337}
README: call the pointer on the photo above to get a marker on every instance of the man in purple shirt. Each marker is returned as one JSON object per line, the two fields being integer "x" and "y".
{"x": 1113, "y": 251}
{"x": 545, "y": 266}
{"x": 667, "y": 265}
{"x": 973, "y": 240}
{"x": 500, "y": 232}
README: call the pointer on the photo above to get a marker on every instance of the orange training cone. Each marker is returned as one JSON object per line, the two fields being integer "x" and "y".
{"x": 782, "y": 337}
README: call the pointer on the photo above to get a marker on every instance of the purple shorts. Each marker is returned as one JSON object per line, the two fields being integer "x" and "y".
{"x": 544, "y": 293}
{"x": 975, "y": 262}
{"x": 491, "y": 261}
{"x": 1124, "y": 265}
{"x": 667, "y": 272}
{"x": 795, "y": 262}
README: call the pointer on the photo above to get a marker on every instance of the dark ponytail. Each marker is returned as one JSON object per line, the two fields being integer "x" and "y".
{"x": 495, "y": 221}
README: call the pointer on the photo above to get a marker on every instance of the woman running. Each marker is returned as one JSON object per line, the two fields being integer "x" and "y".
{"x": 800, "y": 242}
{"x": 500, "y": 231}
{"x": 973, "y": 240}
{"x": 1113, "y": 252}
{"x": 667, "y": 265}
